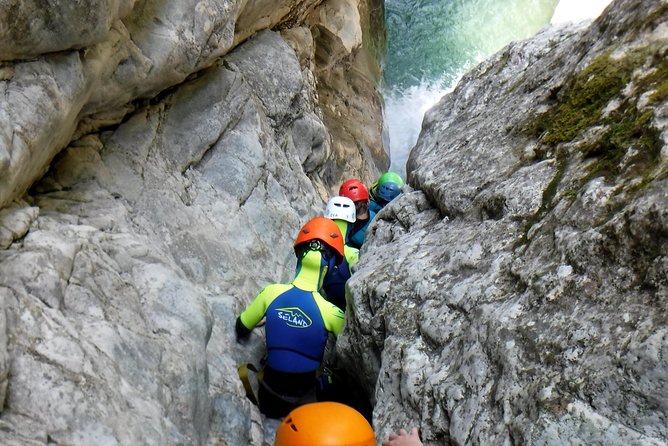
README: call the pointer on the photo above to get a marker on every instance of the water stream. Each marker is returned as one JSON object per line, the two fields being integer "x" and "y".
{"x": 433, "y": 42}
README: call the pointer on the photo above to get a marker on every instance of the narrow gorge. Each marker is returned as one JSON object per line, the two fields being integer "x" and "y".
{"x": 157, "y": 159}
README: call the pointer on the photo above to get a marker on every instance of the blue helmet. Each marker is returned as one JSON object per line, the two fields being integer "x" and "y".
{"x": 388, "y": 191}
{"x": 390, "y": 177}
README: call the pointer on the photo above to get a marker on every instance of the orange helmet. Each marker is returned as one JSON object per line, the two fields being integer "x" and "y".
{"x": 325, "y": 424}
{"x": 355, "y": 190}
{"x": 324, "y": 229}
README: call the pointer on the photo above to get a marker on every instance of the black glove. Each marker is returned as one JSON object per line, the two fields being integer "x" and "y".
{"x": 242, "y": 332}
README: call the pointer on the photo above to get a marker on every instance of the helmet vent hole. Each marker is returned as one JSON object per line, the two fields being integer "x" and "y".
{"x": 293, "y": 427}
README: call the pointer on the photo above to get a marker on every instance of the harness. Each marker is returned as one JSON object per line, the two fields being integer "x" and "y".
{"x": 245, "y": 380}
{"x": 323, "y": 378}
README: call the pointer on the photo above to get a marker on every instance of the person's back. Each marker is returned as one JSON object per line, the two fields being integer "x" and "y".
{"x": 298, "y": 321}
{"x": 296, "y": 331}
{"x": 356, "y": 191}
{"x": 342, "y": 211}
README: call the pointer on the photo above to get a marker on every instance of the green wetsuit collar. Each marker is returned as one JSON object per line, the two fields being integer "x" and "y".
{"x": 310, "y": 272}
{"x": 343, "y": 227}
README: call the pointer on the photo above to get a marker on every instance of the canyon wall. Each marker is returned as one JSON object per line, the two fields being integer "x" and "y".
{"x": 516, "y": 293}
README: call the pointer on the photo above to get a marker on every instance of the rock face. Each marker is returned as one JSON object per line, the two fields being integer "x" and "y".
{"x": 345, "y": 78}
{"x": 172, "y": 151}
{"x": 518, "y": 293}
{"x": 71, "y": 71}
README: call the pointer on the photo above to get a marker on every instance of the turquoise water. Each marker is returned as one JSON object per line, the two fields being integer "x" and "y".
{"x": 431, "y": 43}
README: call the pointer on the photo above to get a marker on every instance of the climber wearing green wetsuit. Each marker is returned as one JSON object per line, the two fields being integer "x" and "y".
{"x": 342, "y": 211}
{"x": 298, "y": 321}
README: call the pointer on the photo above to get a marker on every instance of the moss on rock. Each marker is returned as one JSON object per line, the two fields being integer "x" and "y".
{"x": 587, "y": 101}
{"x": 606, "y": 95}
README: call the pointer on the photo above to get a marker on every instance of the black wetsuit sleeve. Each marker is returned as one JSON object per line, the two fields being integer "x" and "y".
{"x": 242, "y": 331}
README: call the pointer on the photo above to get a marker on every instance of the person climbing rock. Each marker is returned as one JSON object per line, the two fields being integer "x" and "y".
{"x": 342, "y": 211}
{"x": 298, "y": 321}
{"x": 386, "y": 189}
{"x": 334, "y": 424}
{"x": 357, "y": 191}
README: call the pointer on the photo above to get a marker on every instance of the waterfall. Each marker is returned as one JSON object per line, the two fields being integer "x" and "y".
{"x": 432, "y": 43}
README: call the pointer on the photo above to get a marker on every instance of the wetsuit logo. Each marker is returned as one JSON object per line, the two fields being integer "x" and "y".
{"x": 294, "y": 317}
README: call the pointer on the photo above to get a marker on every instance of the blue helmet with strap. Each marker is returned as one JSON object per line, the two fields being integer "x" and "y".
{"x": 388, "y": 191}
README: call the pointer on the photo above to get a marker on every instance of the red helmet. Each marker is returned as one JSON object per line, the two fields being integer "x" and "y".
{"x": 324, "y": 424}
{"x": 355, "y": 190}
{"x": 324, "y": 229}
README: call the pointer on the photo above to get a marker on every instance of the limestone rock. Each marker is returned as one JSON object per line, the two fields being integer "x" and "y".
{"x": 119, "y": 303}
{"x": 170, "y": 152}
{"x": 349, "y": 45}
{"x": 69, "y": 75}
{"x": 516, "y": 294}
{"x": 15, "y": 221}
{"x": 34, "y": 28}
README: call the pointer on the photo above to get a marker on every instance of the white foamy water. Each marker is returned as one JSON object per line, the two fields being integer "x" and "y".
{"x": 403, "y": 118}
{"x": 404, "y": 112}
{"x": 433, "y": 42}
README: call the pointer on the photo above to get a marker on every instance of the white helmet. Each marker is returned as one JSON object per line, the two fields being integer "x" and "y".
{"x": 341, "y": 208}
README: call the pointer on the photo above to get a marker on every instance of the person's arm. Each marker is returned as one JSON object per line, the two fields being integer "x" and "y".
{"x": 352, "y": 255}
{"x": 332, "y": 315}
{"x": 254, "y": 312}
{"x": 403, "y": 438}
{"x": 242, "y": 331}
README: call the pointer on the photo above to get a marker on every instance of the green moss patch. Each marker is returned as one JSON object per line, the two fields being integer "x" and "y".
{"x": 604, "y": 95}
{"x": 625, "y": 131}
{"x": 657, "y": 80}
{"x": 582, "y": 105}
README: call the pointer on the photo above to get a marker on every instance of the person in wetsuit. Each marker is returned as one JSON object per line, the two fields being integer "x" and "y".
{"x": 386, "y": 189}
{"x": 298, "y": 322}
{"x": 342, "y": 211}
{"x": 357, "y": 191}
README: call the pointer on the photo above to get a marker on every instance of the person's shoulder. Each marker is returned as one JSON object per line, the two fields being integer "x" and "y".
{"x": 276, "y": 288}
{"x": 352, "y": 255}
{"x": 326, "y": 305}
{"x": 349, "y": 251}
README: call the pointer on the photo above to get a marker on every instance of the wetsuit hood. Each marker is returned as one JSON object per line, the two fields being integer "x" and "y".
{"x": 311, "y": 270}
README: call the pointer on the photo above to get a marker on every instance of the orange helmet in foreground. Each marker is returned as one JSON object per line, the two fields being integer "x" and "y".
{"x": 324, "y": 229}
{"x": 325, "y": 424}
